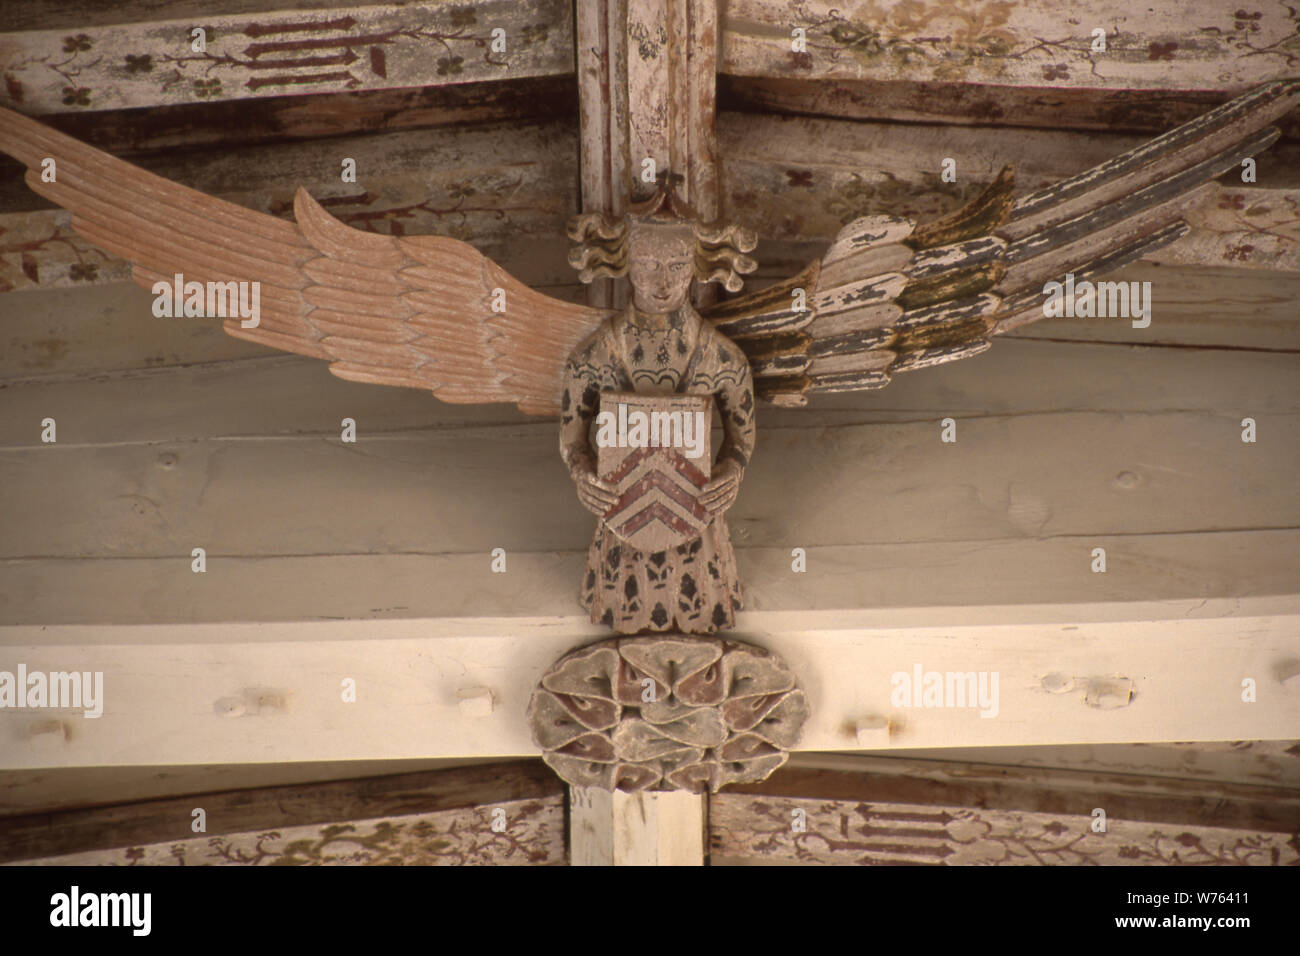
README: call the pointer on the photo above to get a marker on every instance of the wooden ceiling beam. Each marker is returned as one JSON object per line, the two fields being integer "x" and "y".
{"x": 236, "y": 124}
{"x": 1147, "y": 111}
{"x": 1004, "y": 63}
{"x": 252, "y": 54}
{"x": 858, "y": 810}
{"x": 259, "y": 692}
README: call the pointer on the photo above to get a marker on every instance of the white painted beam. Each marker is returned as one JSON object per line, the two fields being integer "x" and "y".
{"x": 235, "y": 693}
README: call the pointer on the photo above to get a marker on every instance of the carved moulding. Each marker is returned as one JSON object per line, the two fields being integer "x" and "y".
{"x": 666, "y": 712}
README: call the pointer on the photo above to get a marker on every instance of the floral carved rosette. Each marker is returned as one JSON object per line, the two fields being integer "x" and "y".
{"x": 666, "y": 713}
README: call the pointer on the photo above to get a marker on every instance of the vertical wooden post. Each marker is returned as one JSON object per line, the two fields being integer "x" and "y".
{"x": 636, "y": 829}
{"x": 602, "y": 112}
{"x": 647, "y": 83}
{"x": 591, "y": 830}
{"x": 696, "y": 118}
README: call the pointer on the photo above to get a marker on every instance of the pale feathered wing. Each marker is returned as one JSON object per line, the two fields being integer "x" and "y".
{"x": 891, "y": 296}
{"x": 414, "y": 311}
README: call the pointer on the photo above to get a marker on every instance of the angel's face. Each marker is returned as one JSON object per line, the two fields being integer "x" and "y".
{"x": 661, "y": 264}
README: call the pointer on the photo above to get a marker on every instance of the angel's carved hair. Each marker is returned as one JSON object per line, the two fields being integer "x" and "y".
{"x": 602, "y": 248}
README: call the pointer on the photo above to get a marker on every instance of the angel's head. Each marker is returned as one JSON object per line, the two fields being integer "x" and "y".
{"x": 661, "y": 246}
{"x": 660, "y": 265}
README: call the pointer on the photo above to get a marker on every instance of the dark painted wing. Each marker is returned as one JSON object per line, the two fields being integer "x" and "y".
{"x": 892, "y": 296}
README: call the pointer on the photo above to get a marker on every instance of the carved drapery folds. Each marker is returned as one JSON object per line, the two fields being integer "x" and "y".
{"x": 666, "y": 713}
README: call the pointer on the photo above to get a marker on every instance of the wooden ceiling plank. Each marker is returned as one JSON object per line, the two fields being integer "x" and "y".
{"x": 466, "y": 490}
{"x": 455, "y": 805}
{"x": 888, "y": 811}
{"x": 805, "y": 178}
{"x": 284, "y": 588}
{"x": 490, "y": 184}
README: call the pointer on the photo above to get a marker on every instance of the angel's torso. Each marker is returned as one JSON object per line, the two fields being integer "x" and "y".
{"x": 678, "y": 353}
{"x": 683, "y": 354}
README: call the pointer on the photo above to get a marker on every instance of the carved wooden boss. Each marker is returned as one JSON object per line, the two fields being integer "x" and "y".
{"x": 635, "y": 388}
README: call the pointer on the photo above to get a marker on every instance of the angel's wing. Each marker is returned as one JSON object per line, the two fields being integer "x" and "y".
{"x": 891, "y": 296}
{"x": 414, "y": 311}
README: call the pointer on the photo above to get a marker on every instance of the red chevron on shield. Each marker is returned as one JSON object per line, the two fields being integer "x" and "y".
{"x": 655, "y": 451}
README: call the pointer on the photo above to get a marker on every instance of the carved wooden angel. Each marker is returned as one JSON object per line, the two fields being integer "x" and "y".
{"x": 889, "y": 295}
{"x": 660, "y": 344}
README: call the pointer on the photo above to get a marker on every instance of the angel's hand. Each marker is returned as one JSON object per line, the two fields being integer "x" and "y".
{"x": 596, "y": 496}
{"x": 720, "y": 493}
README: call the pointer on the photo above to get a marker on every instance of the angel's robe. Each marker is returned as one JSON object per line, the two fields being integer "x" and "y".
{"x": 693, "y": 587}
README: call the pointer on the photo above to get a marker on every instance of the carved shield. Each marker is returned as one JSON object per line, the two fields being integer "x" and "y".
{"x": 655, "y": 451}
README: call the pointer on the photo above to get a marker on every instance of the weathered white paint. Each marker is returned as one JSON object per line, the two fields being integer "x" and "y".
{"x": 231, "y": 693}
